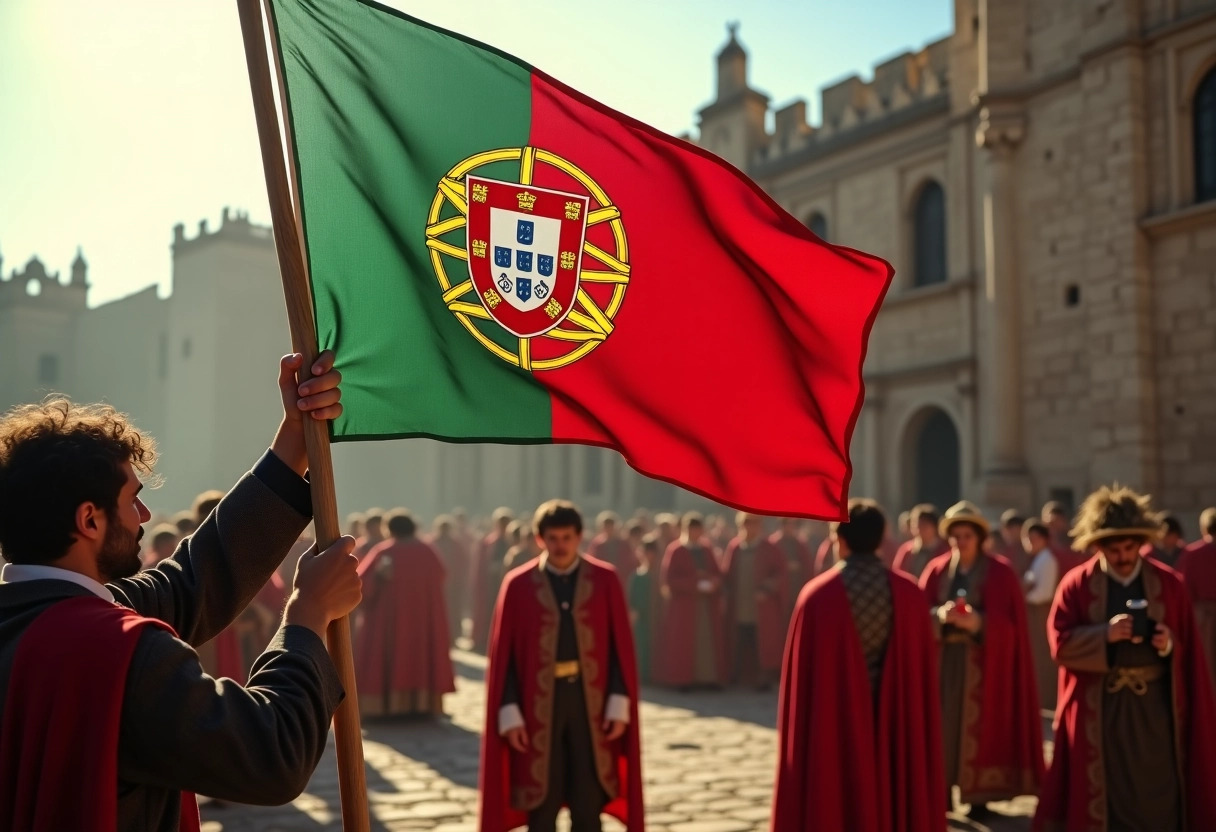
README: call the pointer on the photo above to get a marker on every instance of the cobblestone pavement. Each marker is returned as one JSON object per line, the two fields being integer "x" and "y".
{"x": 708, "y": 767}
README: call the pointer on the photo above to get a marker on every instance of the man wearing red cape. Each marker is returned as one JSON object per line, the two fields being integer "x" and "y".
{"x": 562, "y": 693}
{"x": 488, "y": 574}
{"x": 107, "y": 720}
{"x": 611, "y": 548}
{"x": 799, "y": 559}
{"x": 756, "y": 583}
{"x": 992, "y": 736}
{"x": 858, "y": 740}
{"x": 691, "y": 647}
{"x": 1136, "y": 716}
{"x": 1198, "y": 569}
{"x": 402, "y": 664}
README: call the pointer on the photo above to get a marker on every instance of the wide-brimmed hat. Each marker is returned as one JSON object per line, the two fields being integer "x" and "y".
{"x": 963, "y": 512}
{"x": 1114, "y": 511}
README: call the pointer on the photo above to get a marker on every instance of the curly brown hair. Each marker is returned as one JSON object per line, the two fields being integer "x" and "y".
{"x": 54, "y": 456}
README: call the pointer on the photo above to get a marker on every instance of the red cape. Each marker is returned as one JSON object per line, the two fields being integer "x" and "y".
{"x": 770, "y": 569}
{"x": 1003, "y": 742}
{"x": 617, "y": 552}
{"x": 402, "y": 643}
{"x": 59, "y": 734}
{"x": 1074, "y": 791}
{"x": 787, "y": 544}
{"x": 1197, "y": 566}
{"x": 904, "y": 554}
{"x": 838, "y": 767}
{"x": 675, "y": 654}
{"x": 524, "y": 633}
{"x": 1198, "y": 569}
{"x": 487, "y": 565}
{"x": 825, "y": 557}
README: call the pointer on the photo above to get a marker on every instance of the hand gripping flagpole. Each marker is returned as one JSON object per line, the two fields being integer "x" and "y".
{"x": 288, "y": 241}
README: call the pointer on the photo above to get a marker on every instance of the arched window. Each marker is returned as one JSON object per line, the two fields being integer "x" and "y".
{"x": 1205, "y": 138}
{"x": 929, "y": 236}
{"x": 818, "y": 224}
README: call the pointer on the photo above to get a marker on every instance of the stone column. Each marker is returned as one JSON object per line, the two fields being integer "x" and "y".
{"x": 1004, "y": 481}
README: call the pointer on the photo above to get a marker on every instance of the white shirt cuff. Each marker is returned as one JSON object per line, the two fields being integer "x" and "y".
{"x": 1169, "y": 648}
{"x": 617, "y": 709}
{"x": 510, "y": 717}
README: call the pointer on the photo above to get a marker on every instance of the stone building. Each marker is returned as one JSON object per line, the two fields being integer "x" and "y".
{"x": 1043, "y": 181}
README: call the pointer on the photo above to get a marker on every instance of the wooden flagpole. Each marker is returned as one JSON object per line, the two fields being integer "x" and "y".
{"x": 288, "y": 240}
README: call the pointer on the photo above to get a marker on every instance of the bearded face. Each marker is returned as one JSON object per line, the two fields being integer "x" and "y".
{"x": 119, "y": 555}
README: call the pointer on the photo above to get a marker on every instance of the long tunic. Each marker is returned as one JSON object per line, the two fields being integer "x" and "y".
{"x": 1198, "y": 569}
{"x": 992, "y": 730}
{"x": 1139, "y": 757}
{"x": 692, "y": 647}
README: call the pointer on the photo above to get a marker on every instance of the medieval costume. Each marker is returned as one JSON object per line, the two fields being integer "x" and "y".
{"x": 488, "y": 571}
{"x": 799, "y": 563}
{"x": 859, "y": 745}
{"x": 455, "y": 559}
{"x": 561, "y": 663}
{"x": 692, "y": 645}
{"x": 108, "y": 717}
{"x": 992, "y": 736}
{"x": 402, "y": 663}
{"x": 1135, "y": 722}
{"x": 1198, "y": 569}
{"x": 756, "y": 584}
{"x": 913, "y": 557}
{"x": 615, "y": 550}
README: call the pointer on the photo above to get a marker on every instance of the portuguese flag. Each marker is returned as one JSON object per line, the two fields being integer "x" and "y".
{"x": 498, "y": 258}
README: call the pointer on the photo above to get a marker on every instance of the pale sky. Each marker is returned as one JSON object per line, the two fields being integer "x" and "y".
{"x": 120, "y": 119}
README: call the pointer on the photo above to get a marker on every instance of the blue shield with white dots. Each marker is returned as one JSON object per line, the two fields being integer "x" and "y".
{"x": 524, "y": 231}
{"x": 502, "y": 257}
{"x": 523, "y": 289}
{"x": 544, "y": 264}
{"x": 523, "y": 261}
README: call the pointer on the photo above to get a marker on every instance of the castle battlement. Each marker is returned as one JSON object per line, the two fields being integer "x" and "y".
{"x": 234, "y": 225}
{"x": 904, "y": 83}
{"x": 34, "y": 284}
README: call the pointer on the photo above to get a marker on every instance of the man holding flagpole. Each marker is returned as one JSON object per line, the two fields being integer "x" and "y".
{"x": 107, "y": 720}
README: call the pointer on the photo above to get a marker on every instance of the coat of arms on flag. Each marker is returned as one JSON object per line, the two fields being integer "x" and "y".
{"x": 547, "y": 263}
{"x": 523, "y": 247}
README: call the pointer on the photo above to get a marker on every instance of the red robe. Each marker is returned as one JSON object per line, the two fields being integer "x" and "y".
{"x": 1002, "y": 747}
{"x": 675, "y": 653}
{"x": 825, "y": 557}
{"x": 402, "y": 642}
{"x": 801, "y": 567}
{"x": 60, "y": 727}
{"x": 1074, "y": 792}
{"x": 1067, "y": 558}
{"x": 838, "y": 768}
{"x": 772, "y": 579}
{"x": 524, "y": 633}
{"x": 618, "y": 552}
{"x": 1198, "y": 569}
{"x": 905, "y": 553}
{"x": 486, "y": 576}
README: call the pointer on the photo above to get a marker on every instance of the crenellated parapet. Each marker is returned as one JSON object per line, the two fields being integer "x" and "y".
{"x": 900, "y": 87}
{"x": 234, "y": 225}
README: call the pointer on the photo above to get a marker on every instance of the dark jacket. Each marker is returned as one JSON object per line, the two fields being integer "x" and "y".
{"x": 182, "y": 730}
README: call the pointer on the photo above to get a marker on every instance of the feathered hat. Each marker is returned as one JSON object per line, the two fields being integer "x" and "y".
{"x": 1114, "y": 511}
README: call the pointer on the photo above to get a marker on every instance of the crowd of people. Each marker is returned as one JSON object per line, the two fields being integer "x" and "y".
{"x": 912, "y": 662}
{"x": 714, "y": 604}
